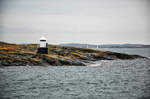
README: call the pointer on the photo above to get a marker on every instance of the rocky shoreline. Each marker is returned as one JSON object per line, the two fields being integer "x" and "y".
{"x": 24, "y": 55}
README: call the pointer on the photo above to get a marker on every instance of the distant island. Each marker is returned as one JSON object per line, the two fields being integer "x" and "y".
{"x": 106, "y": 45}
{"x": 26, "y": 54}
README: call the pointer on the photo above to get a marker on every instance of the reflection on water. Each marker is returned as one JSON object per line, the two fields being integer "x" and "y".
{"x": 118, "y": 79}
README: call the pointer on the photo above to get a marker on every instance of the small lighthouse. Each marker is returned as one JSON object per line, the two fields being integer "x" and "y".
{"x": 97, "y": 46}
{"x": 43, "y": 48}
{"x": 87, "y": 46}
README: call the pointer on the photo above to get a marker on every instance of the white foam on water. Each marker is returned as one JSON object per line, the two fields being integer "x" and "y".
{"x": 99, "y": 63}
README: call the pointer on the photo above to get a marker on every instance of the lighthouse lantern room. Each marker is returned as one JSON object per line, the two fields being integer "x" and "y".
{"x": 43, "y": 42}
{"x": 43, "y": 48}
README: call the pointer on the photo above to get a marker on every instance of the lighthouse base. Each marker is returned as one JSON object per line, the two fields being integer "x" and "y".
{"x": 42, "y": 50}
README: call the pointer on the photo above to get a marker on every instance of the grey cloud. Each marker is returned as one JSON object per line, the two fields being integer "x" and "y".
{"x": 81, "y": 21}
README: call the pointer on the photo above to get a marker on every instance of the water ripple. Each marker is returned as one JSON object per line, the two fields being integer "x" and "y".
{"x": 117, "y": 79}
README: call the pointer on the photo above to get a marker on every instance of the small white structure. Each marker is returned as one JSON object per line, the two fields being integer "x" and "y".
{"x": 97, "y": 46}
{"x": 87, "y": 46}
{"x": 43, "y": 43}
{"x": 43, "y": 48}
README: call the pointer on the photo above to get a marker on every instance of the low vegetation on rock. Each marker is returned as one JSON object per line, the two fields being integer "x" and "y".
{"x": 23, "y": 55}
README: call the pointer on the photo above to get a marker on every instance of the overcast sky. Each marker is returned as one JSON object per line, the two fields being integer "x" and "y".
{"x": 75, "y": 21}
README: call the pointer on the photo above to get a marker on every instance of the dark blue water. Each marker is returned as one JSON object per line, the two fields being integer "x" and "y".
{"x": 116, "y": 79}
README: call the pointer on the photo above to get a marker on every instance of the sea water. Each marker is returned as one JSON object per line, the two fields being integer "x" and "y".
{"x": 139, "y": 51}
{"x": 115, "y": 79}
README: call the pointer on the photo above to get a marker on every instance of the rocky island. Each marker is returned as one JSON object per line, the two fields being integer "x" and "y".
{"x": 26, "y": 54}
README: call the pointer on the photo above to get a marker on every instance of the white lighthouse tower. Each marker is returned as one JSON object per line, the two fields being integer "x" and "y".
{"x": 43, "y": 49}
